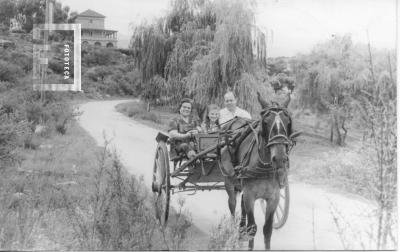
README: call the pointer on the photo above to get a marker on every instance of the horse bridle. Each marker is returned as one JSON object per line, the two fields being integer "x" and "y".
{"x": 278, "y": 123}
{"x": 265, "y": 168}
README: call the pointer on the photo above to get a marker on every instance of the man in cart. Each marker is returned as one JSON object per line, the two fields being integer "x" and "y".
{"x": 231, "y": 110}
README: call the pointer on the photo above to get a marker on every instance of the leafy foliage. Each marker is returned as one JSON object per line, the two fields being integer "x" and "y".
{"x": 377, "y": 110}
{"x": 201, "y": 49}
{"x": 7, "y": 11}
{"x": 92, "y": 56}
{"x": 30, "y": 12}
{"x": 9, "y": 72}
{"x": 331, "y": 77}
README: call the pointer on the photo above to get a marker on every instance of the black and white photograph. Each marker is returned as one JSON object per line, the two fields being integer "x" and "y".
{"x": 210, "y": 125}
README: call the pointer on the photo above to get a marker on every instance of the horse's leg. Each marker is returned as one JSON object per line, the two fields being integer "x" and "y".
{"x": 249, "y": 200}
{"x": 232, "y": 203}
{"x": 230, "y": 189}
{"x": 269, "y": 219}
{"x": 267, "y": 230}
{"x": 242, "y": 225}
{"x": 227, "y": 167}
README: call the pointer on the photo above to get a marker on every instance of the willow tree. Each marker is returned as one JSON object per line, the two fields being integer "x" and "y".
{"x": 202, "y": 48}
{"x": 150, "y": 47}
{"x": 193, "y": 25}
{"x": 236, "y": 52}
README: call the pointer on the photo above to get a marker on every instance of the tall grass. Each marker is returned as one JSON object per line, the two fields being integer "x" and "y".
{"x": 225, "y": 235}
{"x": 137, "y": 110}
{"x": 73, "y": 196}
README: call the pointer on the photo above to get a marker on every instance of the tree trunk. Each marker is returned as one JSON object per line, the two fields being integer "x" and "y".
{"x": 337, "y": 123}
{"x": 148, "y": 106}
{"x": 337, "y": 129}
{"x": 345, "y": 132}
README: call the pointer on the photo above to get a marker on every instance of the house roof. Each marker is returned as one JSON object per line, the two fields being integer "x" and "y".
{"x": 90, "y": 13}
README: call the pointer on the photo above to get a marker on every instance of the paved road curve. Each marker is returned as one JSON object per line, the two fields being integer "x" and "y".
{"x": 310, "y": 224}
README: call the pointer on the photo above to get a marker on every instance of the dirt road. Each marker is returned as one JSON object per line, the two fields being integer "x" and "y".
{"x": 310, "y": 225}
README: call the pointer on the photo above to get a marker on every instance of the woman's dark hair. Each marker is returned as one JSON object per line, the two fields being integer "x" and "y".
{"x": 186, "y": 100}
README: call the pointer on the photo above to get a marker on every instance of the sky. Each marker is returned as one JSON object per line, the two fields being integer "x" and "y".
{"x": 293, "y": 26}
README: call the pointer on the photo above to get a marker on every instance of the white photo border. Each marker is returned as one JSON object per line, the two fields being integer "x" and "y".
{"x": 37, "y": 60}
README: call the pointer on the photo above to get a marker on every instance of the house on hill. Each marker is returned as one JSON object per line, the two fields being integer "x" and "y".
{"x": 93, "y": 31}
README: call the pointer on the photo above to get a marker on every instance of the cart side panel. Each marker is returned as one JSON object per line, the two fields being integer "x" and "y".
{"x": 212, "y": 172}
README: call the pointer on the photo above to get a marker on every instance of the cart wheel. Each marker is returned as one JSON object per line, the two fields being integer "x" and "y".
{"x": 161, "y": 183}
{"x": 282, "y": 211}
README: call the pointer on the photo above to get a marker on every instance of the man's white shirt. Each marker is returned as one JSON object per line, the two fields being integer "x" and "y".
{"x": 226, "y": 115}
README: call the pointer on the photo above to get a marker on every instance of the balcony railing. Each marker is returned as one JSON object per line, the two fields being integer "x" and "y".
{"x": 98, "y": 38}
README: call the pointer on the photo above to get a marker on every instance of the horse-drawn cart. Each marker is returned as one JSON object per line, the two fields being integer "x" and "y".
{"x": 203, "y": 172}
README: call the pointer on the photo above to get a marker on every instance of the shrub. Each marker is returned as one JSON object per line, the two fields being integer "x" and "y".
{"x": 56, "y": 66}
{"x": 30, "y": 141}
{"x": 35, "y": 113}
{"x": 116, "y": 216}
{"x": 133, "y": 111}
{"x": 12, "y": 134}
{"x": 225, "y": 236}
{"x": 9, "y": 72}
{"x": 9, "y": 104}
{"x": 8, "y": 141}
{"x": 134, "y": 79}
{"x": 150, "y": 116}
{"x": 93, "y": 56}
{"x": 180, "y": 223}
{"x": 55, "y": 114}
{"x": 5, "y": 86}
{"x": 23, "y": 60}
{"x": 61, "y": 115}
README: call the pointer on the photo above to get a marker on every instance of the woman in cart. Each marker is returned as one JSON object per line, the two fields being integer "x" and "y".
{"x": 181, "y": 130}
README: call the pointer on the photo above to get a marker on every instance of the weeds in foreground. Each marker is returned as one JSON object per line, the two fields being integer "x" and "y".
{"x": 226, "y": 235}
{"x": 353, "y": 234}
{"x": 62, "y": 200}
{"x": 177, "y": 234}
{"x": 116, "y": 216}
{"x": 18, "y": 221}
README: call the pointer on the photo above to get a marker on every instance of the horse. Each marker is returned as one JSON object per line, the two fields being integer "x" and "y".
{"x": 256, "y": 163}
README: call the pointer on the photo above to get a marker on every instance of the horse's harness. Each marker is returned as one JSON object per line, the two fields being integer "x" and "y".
{"x": 263, "y": 169}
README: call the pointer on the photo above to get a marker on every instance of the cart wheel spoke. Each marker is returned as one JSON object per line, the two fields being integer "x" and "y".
{"x": 161, "y": 178}
{"x": 278, "y": 215}
{"x": 280, "y": 208}
{"x": 282, "y": 211}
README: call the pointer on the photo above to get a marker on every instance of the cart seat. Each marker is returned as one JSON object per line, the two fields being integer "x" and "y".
{"x": 205, "y": 141}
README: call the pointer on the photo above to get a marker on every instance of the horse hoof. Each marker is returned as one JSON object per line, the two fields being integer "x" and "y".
{"x": 251, "y": 244}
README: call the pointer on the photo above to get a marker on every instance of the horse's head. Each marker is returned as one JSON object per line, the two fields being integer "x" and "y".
{"x": 276, "y": 131}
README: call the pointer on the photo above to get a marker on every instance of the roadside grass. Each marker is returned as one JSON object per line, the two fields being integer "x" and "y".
{"x": 69, "y": 194}
{"x": 225, "y": 235}
{"x": 337, "y": 168}
{"x": 157, "y": 118}
{"x": 33, "y": 193}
